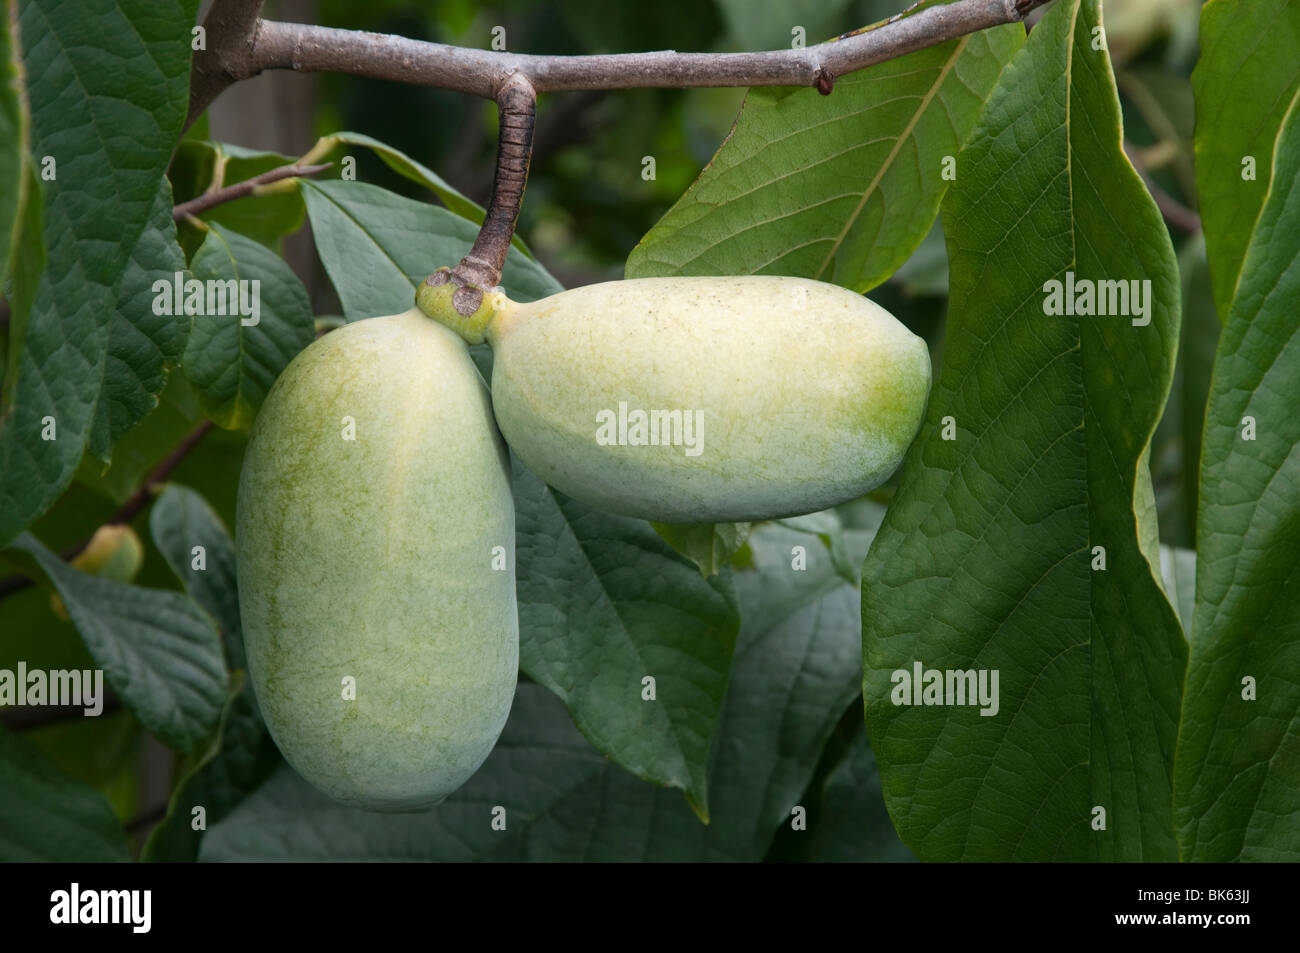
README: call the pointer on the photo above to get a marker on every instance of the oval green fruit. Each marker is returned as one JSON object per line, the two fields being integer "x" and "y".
{"x": 382, "y": 640}
{"x": 695, "y": 400}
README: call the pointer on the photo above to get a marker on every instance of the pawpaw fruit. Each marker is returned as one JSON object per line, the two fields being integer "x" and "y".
{"x": 697, "y": 400}
{"x": 375, "y": 553}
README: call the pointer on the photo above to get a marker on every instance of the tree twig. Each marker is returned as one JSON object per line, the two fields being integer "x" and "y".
{"x": 254, "y": 45}
{"x": 136, "y": 502}
{"x": 481, "y": 268}
{"x": 230, "y": 30}
{"x": 229, "y": 193}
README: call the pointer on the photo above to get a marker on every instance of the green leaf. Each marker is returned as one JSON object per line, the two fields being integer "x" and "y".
{"x": 853, "y": 825}
{"x": 538, "y": 763}
{"x": 1176, "y": 448}
{"x": 410, "y": 169}
{"x": 1246, "y": 75}
{"x": 841, "y": 188}
{"x": 240, "y": 757}
{"x": 604, "y": 603}
{"x": 26, "y": 262}
{"x": 377, "y": 247}
{"x": 708, "y": 545}
{"x": 15, "y": 126}
{"x": 159, "y": 652}
{"x": 142, "y": 345}
{"x": 1178, "y": 574}
{"x": 1237, "y": 779}
{"x": 180, "y": 521}
{"x": 48, "y": 816}
{"x": 102, "y": 751}
{"x": 109, "y": 90}
{"x": 984, "y": 561}
{"x": 138, "y": 452}
{"x": 796, "y": 669}
{"x": 230, "y": 364}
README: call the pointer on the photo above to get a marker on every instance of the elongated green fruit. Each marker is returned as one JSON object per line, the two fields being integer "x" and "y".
{"x": 375, "y": 539}
{"x": 693, "y": 400}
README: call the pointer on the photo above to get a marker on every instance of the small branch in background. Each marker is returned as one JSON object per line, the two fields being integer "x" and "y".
{"x": 4, "y": 313}
{"x": 31, "y": 717}
{"x": 159, "y": 474}
{"x": 1174, "y": 212}
{"x": 239, "y": 190}
{"x": 241, "y": 46}
{"x": 125, "y": 513}
{"x": 481, "y": 268}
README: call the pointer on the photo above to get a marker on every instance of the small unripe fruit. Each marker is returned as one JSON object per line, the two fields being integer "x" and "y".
{"x": 382, "y": 641}
{"x": 695, "y": 400}
{"x": 114, "y": 552}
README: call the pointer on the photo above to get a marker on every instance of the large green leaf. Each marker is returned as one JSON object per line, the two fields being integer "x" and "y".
{"x": 796, "y": 668}
{"x": 1244, "y": 79}
{"x": 605, "y": 604}
{"x": 47, "y": 816}
{"x": 1237, "y": 783}
{"x": 15, "y": 127}
{"x": 159, "y": 652}
{"x": 180, "y": 522}
{"x": 238, "y": 759}
{"x": 143, "y": 345}
{"x": 135, "y": 454}
{"x": 839, "y": 187}
{"x": 232, "y": 365}
{"x": 377, "y": 247}
{"x": 108, "y": 85}
{"x": 985, "y": 558}
{"x": 25, "y": 264}
{"x": 854, "y": 825}
{"x": 409, "y": 168}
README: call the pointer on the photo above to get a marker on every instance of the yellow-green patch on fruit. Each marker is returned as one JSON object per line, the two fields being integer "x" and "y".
{"x": 375, "y": 541}
{"x": 693, "y": 400}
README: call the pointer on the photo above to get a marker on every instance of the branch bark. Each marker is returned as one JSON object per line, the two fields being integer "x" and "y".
{"x": 264, "y": 44}
{"x": 480, "y": 270}
{"x": 216, "y": 197}
{"x": 230, "y": 32}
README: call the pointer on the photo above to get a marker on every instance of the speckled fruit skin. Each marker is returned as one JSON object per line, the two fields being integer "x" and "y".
{"x": 372, "y": 558}
{"x": 811, "y": 393}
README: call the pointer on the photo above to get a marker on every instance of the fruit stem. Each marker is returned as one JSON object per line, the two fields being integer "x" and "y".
{"x": 480, "y": 270}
